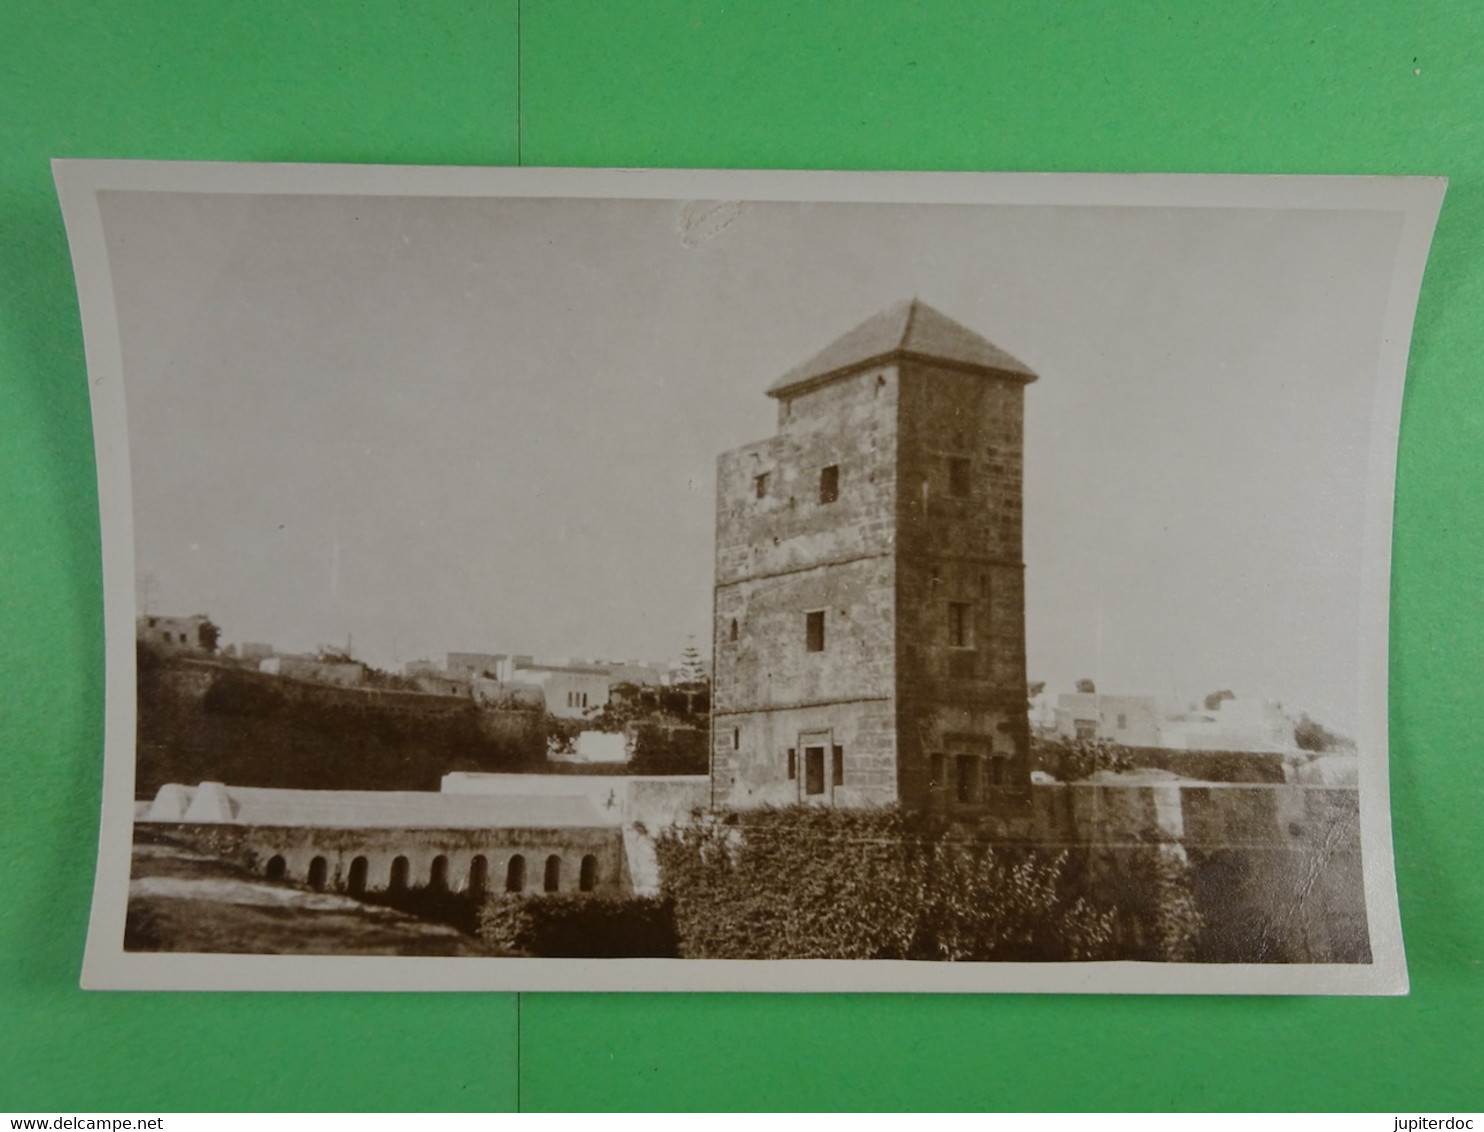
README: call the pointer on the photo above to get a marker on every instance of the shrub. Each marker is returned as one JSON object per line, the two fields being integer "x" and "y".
{"x": 1072, "y": 760}
{"x": 670, "y": 750}
{"x": 814, "y": 883}
{"x": 573, "y": 926}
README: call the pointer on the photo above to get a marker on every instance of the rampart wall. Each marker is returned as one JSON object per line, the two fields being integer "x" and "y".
{"x": 291, "y": 852}
{"x": 1275, "y": 870}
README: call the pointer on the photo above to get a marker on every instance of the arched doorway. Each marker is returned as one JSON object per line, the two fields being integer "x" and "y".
{"x": 319, "y": 872}
{"x": 587, "y": 877}
{"x": 515, "y": 874}
{"x": 401, "y": 869}
{"x": 278, "y": 868}
{"x": 359, "y": 869}
{"x": 479, "y": 876}
{"x": 438, "y": 878}
{"x": 553, "y": 880}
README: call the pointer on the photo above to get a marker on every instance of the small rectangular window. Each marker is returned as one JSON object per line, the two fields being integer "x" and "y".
{"x": 960, "y": 625}
{"x": 959, "y": 480}
{"x": 967, "y": 768}
{"x": 760, "y": 485}
{"x": 829, "y": 483}
{"x": 814, "y": 631}
{"x": 837, "y": 766}
{"x": 736, "y": 738}
{"x": 813, "y": 770}
{"x": 793, "y": 764}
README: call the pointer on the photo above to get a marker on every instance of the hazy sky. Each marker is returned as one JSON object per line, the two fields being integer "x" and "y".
{"x": 455, "y": 424}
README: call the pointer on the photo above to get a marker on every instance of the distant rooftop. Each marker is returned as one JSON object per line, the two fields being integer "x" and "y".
{"x": 907, "y": 330}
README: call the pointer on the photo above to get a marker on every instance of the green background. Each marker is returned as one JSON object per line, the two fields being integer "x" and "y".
{"x": 1367, "y": 86}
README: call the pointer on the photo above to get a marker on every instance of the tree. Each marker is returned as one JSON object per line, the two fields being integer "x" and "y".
{"x": 627, "y": 703}
{"x": 1214, "y": 700}
{"x": 1310, "y": 735}
{"x": 1086, "y": 686}
{"x": 208, "y": 635}
{"x": 1072, "y": 760}
{"x": 692, "y": 670}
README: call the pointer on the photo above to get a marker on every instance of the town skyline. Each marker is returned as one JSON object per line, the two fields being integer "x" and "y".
{"x": 493, "y": 424}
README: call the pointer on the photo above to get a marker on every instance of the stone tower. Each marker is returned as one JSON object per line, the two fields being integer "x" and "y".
{"x": 870, "y": 600}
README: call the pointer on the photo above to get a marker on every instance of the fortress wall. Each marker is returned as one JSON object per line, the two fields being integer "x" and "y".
{"x": 298, "y": 846}
{"x": 1275, "y": 870}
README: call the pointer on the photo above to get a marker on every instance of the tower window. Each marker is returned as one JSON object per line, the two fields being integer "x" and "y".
{"x": 958, "y": 476}
{"x": 814, "y": 631}
{"x": 736, "y": 738}
{"x": 793, "y": 764}
{"x": 960, "y": 625}
{"x": 813, "y": 770}
{"x": 967, "y": 767}
{"x": 760, "y": 485}
{"x": 829, "y": 483}
{"x": 734, "y": 629}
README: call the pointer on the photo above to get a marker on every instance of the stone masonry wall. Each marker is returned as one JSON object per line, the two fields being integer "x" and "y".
{"x": 1275, "y": 869}
{"x": 960, "y": 600}
{"x": 790, "y": 553}
{"x": 755, "y": 771}
{"x": 255, "y": 846}
{"x": 851, "y": 424}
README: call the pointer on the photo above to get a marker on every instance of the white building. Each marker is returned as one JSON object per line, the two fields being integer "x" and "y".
{"x": 1143, "y": 721}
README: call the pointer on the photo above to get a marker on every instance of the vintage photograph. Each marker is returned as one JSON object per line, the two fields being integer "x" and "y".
{"x": 571, "y": 579}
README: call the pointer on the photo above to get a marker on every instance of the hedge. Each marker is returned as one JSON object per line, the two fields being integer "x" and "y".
{"x": 579, "y": 926}
{"x": 814, "y": 883}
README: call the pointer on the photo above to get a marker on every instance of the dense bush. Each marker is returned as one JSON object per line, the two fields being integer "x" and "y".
{"x": 579, "y": 926}
{"x": 670, "y": 750}
{"x": 815, "y": 883}
{"x": 1072, "y": 760}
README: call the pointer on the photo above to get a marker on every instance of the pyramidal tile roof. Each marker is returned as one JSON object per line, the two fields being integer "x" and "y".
{"x": 910, "y": 329}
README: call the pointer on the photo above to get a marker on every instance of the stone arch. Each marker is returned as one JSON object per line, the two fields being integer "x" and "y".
{"x": 319, "y": 873}
{"x": 360, "y": 869}
{"x": 438, "y": 874}
{"x": 515, "y": 874}
{"x": 479, "y": 875}
{"x": 401, "y": 872}
{"x": 587, "y": 876}
{"x": 278, "y": 868}
{"x": 552, "y": 881}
